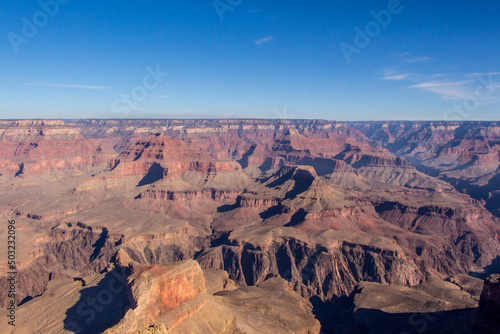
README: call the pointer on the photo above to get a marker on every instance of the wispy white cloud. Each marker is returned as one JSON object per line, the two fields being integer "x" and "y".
{"x": 449, "y": 86}
{"x": 408, "y": 58}
{"x": 61, "y": 85}
{"x": 449, "y": 90}
{"x": 414, "y": 60}
{"x": 394, "y": 74}
{"x": 396, "y": 77}
{"x": 264, "y": 40}
{"x": 475, "y": 75}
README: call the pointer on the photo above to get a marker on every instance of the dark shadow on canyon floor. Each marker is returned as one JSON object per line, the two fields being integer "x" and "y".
{"x": 492, "y": 268}
{"x": 100, "y": 307}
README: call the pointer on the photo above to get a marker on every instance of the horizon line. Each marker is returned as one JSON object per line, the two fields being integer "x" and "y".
{"x": 240, "y": 119}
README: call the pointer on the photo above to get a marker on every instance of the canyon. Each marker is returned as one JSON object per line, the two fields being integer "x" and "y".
{"x": 251, "y": 226}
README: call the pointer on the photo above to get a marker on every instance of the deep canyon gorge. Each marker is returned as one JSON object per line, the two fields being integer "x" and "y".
{"x": 252, "y": 226}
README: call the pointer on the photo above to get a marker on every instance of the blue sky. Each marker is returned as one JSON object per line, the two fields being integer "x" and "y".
{"x": 253, "y": 59}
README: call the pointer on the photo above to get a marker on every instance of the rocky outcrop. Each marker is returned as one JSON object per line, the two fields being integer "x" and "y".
{"x": 434, "y": 306}
{"x": 162, "y": 294}
{"x": 133, "y": 298}
{"x": 69, "y": 250}
{"x": 313, "y": 270}
{"x": 489, "y": 304}
{"x": 174, "y": 299}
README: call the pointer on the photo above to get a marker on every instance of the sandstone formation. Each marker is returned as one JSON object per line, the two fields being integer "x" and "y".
{"x": 175, "y": 297}
{"x": 489, "y": 304}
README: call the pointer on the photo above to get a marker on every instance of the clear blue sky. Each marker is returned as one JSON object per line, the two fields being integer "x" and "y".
{"x": 264, "y": 59}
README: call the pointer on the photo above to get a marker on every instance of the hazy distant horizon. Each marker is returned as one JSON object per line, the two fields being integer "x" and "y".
{"x": 244, "y": 119}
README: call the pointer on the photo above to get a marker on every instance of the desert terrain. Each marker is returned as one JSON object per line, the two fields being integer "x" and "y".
{"x": 251, "y": 226}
